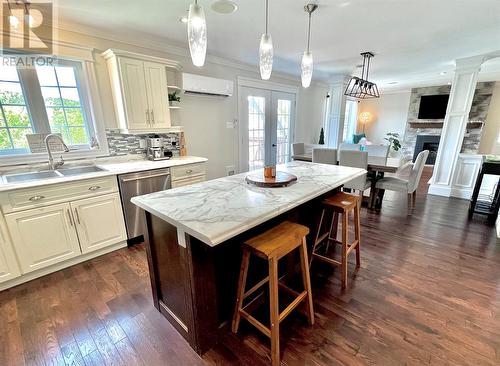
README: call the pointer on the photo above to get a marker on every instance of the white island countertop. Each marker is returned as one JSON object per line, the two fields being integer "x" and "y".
{"x": 217, "y": 210}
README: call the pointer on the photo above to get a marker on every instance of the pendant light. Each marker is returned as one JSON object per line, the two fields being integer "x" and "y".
{"x": 266, "y": 50}
{"x": 197, "y": 34}
{"x": 307, "y": 58}
{"x": 362, "y": 88}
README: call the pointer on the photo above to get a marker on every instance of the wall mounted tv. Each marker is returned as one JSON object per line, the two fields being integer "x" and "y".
{"x": 433, "y": 106}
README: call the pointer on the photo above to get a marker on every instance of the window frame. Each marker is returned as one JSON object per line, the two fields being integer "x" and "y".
{"x": 86, "y": 83}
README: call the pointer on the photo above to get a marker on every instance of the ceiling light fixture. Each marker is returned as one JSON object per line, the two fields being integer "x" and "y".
{"x": 197, "y": 34}
{"x": 224, "y": 6}
{"x": 266, "y": 50}
{"x": 183, "y": 19}
{"x": 307, "y": 58}
{"x": 361, "y": 88}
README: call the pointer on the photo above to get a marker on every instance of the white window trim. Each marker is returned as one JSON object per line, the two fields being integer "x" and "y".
{"x": 87, "y": 83}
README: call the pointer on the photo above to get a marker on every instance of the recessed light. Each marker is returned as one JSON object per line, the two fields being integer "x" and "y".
{"x": 392, "y": 83}
{"x": 442, "y": 73}
{"x": 224, "y": 6}
{"x": 449, "y": 83}
{"x": 344, "y": 4}
{"x": 183, "y": 19}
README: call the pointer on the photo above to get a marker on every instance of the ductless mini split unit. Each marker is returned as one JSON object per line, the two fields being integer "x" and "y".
{"x": 204, "y": 85}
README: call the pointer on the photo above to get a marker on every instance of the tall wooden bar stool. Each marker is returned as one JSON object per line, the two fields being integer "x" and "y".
{"x": 271, "y": 246}
{"x": 341, "y": 203}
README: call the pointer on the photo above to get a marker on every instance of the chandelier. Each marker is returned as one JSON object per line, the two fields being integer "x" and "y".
{"x": 361, "y": 88}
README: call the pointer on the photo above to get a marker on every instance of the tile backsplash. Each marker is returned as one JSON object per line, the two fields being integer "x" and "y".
{"x": 124, "y": 144}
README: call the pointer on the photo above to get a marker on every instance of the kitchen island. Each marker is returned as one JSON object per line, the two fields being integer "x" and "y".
{"x": 195, "y": 232}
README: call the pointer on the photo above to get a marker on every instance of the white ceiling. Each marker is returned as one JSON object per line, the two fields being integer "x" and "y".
{"x": 414, "y": 40}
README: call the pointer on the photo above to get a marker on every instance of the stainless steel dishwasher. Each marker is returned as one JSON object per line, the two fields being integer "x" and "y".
{"x": 137, "y": 184}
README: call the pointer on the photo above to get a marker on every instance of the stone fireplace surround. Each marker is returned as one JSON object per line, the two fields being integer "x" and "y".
{"x": 477, "y": 118}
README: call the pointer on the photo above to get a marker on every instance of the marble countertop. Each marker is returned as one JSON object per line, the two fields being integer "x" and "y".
{"x": 111, "y": 166}
{"x": 219, "y": 209}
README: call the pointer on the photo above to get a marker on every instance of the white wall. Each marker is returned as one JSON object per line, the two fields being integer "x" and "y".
{"x": 204, "y": 118}
{"x": 389, "y": 114}
{"x": 310, "y": 114}
{"x": 491, "y": 128}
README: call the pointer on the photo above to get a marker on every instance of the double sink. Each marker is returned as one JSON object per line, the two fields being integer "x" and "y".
{"x": 48, "y": 174}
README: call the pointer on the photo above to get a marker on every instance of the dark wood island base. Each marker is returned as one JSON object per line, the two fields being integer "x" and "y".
{"x": 195, "y": 287}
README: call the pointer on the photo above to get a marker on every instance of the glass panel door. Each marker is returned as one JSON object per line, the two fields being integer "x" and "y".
{"x": 266, "y": 126}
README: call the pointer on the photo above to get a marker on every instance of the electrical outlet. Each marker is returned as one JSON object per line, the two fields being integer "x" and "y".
{"x": 230, "y": 170}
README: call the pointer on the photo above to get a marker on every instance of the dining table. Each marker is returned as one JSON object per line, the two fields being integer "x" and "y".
{"x": 377, "y": 167}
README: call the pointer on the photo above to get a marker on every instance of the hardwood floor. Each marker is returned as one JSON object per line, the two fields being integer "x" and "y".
{"x": 428, "y": 292}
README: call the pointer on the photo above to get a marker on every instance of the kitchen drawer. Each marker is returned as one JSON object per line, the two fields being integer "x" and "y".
{"x": 27, "y": 198}
{"x": 186, "y": 171}
{"x": 188, "y": 181}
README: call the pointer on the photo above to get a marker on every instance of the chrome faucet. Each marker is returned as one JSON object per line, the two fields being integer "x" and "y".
{"x": 54, "y": 165}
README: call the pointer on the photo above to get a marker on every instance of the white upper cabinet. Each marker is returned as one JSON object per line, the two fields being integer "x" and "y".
{"x": 140, "y": 90}
{"x": 156, "y": 79}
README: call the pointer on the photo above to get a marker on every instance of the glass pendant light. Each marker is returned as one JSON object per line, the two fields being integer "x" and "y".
{"x": 197, "y": 34}
{"x": 266, "y": 50}
{"x": 307, "y": 58}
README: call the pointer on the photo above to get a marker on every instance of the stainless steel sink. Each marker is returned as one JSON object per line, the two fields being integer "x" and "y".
{"x": 23, "y": 177}
{"x": 47, "y": 174}
{"x": 80, "y": 170}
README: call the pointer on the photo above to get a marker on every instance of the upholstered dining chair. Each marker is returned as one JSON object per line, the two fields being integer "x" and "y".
{"x": 355, "y": 159}
{"x": 408, "y": 186}
{"x": 324, "y": 156}
{"x": 298, "y": 148}
{"x": 349, "y": 146}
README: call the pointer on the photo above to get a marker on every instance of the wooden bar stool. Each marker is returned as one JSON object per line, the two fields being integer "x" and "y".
{"x": 271, "y": 246}
{"x": 340, "y": 203}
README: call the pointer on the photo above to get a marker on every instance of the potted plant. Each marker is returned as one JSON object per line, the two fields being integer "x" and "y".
{"x": 321, "y": 137}
{"x": 173, "y": 98}
{"x": 394, "y": 144}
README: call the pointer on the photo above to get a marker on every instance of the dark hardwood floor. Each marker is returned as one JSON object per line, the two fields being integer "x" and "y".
{"x": 428, "y": 292}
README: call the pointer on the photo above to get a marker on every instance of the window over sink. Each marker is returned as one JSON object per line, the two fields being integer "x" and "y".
{"x": 44, "y": 99}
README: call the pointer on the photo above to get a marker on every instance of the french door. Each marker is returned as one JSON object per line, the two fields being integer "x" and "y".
{"x": 266, "y": 125}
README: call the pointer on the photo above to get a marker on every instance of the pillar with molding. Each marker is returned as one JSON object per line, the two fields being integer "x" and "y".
{"x": 336, "y": 112}
{"x": 455, "y": 123}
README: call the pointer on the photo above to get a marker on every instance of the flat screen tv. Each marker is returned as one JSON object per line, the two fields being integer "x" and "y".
{"x": 433, "y": 106}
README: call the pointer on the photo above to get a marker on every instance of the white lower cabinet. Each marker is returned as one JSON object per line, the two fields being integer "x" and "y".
{"x": 99, "y": 221}
{"x": 43, "y": 236}
{"x": 67, "y": 223}
{"x": 9, "y": 268}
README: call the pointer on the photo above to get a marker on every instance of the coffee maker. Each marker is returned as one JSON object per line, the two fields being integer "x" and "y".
{"x": 155, "y": 149}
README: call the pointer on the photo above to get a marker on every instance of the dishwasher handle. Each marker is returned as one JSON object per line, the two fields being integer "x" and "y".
{"x": 144, "y": 177}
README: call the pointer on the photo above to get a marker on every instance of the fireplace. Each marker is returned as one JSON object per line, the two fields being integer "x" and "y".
{"x": 427, "y": 142}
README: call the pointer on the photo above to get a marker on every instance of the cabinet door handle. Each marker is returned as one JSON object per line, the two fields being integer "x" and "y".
{"x": 94, "y": 188}
{"x": 153, "y": 116}
{"x": 77, "y": 216}
{"x": 147, "y": 117}
{"x": 70, "y": 218}
{"x": 36, "y": 198}
{"x": 189, "y": 171}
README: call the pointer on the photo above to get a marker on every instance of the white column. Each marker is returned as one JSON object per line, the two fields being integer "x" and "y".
{"x": 336, "y": 114}
{"x": 455, "y": 123}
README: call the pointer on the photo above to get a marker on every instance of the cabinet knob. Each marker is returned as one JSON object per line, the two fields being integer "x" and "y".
{"x": 189, "y": 171}
{"x": 36, "y": 198}
{"x": 94, "y": 188}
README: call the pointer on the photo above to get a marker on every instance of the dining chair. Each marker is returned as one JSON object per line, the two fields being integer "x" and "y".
{"x": 298, "y": 148}
{"x": 410, "y": 185}
{"x": 349, "y": 146}
{"x": 324, "y": 156}
{"x": 355, "y": 159}
{"x": 377, "y": 150}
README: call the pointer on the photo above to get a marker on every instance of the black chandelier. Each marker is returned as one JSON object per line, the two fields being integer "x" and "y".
{"x": 361, "y": 88}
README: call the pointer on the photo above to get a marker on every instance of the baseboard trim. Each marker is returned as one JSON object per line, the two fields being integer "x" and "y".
{"x": 438, "y": 190}
{"x": 58, "y": 266}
